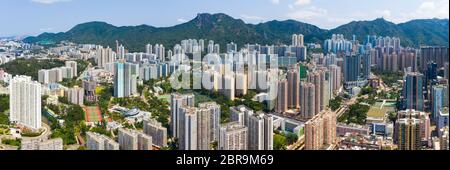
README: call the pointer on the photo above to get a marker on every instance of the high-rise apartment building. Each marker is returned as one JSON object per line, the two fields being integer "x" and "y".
{"x": 436, "y": 54}
{"x": 412, "y": 127}
{"x": 209, "y": 117}
{"x": 366, "y": 66}
{"x": 320, "y": 131}
{"x": 149, "y": 49}
{"x": 442, "y": 119}
{"x": 241, "y": 84}
{"x": 158, "y": 133}
{"x": 444, "y": 138}
{"x": 25, "y": 102}
{"x": 260, "y": 131}
{"x": 352, "y": 68}
{"x": 233, "y": 136}
{"x": 55, "y": 75}
{"x": 314, "y": 133}
{"x": 73, "y": 65}
{"x": 413, "y": 91}
{"x": 227, "y": 84}
{"x": 308, "y": 99}
{"x": 293, "y": 79}
{"x": 408, "y": 134}
{"x": 97, "y": 141}
{"x": 176, "y": 102}
{"x": 318, "y": 79}
{"x": 335, "y": 78}
{"x": 268, "y": 131}
{"x": 134, "y": 140}
{"x": 105, "y": 56}
{"x": 260, "y": 137}
{"x": 437, "y": 99}
{"x": 282, "y": 97}
{"x": 298, "y": 40}
{"x": 160, "y": 52}
{"x": 188, "y": 128}
{"x": 125, "y": 79}
{"x": 240, "y": 114}
{"x": 75, "y": 95}
{"x": 446, "y": 73}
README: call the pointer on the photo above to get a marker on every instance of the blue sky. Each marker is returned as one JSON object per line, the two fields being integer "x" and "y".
{"x": 31, "y": 17}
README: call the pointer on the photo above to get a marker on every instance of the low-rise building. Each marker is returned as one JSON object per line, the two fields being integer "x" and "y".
{"x": 343, "y": 129}
{"x": 42, "y": 144}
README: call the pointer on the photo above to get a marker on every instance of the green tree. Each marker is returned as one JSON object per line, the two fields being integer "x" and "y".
{"x": 30, "y": 67}
{"x": 4, "y": 106}
{"x": 4, "y": 119}
{"x": 367, "y": 90}
{"x": 335, "y": 103}
{"x": 291, "y": 138}
{"x": 4, "y": 103}
{"x": 356, "y": 113}
{"x": 63, "y": 100}
{"x": 75, "y": 114}
{"x": 392, "y": 117}
{"x": 12, "y": 142}
{"x": 279, "y": 142}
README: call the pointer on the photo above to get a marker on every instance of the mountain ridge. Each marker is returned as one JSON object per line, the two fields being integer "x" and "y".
{"x": 224, "y": 29}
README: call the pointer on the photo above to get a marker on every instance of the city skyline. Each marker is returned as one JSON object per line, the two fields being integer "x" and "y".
{"x": 217, "y": 83}
{"x": 329, "y": 97}
{"x": 61, "y": 15}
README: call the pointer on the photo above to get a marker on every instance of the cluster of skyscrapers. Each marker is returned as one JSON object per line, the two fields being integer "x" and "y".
{"x": 303, "y": 91}
{"x": 309, "y": 96}
{"x": 130, "y": 139}
{"x": 196, "y": 128}
{"x": 259, "y": 128}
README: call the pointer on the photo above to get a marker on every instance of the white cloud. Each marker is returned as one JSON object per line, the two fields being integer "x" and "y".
{"x": 291, "y": 7}
{"x": 275, "y": 2}
{"x": 387, "y": 14}
{"x": 308, "y": 13}
{"x": 49, "y": 1}
{"x": 295, "y": 3}
{"x": 338, "y": 21}
{"x": 323, "y": 18}
{"x": 427, "y": 6}
{"x": 181, "y": 20}
{"x": 302, "y": 2}
{"x": 426, "y": 10}
{"x": 433, "y": 8}
{"x": 298, "y": 3}
{"x": 251, "y": 17}
{"x": 45, "y": 29}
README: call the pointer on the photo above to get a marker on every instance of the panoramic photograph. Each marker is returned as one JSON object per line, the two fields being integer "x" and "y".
{"x": 209, "y": 75}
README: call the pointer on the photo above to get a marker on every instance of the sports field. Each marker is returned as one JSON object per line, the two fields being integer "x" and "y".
{"x": 93, "y": 114}
{"x": 379, "y": 110}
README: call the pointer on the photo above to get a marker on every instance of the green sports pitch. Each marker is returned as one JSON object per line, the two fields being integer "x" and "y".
{"x": 93, "y": 114}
